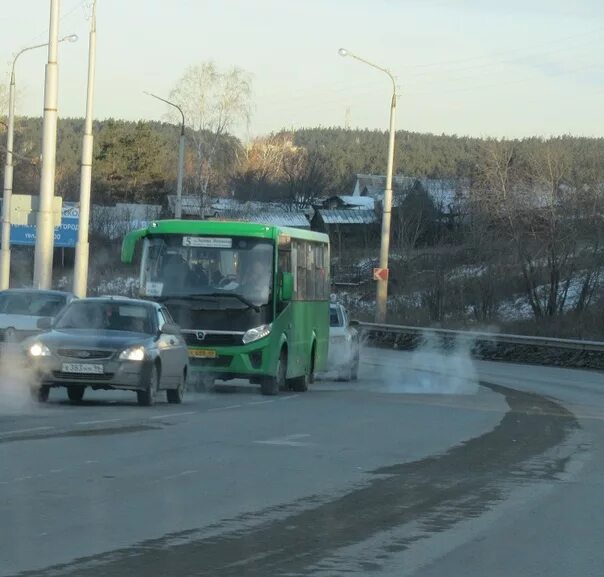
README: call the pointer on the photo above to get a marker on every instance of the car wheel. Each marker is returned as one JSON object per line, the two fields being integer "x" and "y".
{"x": 146, "y": 398}
{"x": 272, "y": 385}
{"x": 176, "y": 395}
{"x": 354, "y": 371}
{"x": 76, "y": 393}
{"x": 43, "y": 393}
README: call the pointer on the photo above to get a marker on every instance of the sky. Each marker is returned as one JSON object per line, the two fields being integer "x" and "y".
{"x": 466, "y": 67}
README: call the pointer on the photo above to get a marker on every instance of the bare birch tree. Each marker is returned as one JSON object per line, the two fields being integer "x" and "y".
{"x": 214, "y": 102}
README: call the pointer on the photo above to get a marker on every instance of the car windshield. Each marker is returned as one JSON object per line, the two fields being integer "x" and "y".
{"x": 335, "y": 318}
{"x": 176, "y": 265}
{"x": 31, "y": 304}
{"x": 94, "y": 315}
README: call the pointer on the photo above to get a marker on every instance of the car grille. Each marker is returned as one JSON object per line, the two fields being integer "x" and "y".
{"x": 213, "y": 339}
{"x": 84, "y": 354}
{"x": 81, "y": 376}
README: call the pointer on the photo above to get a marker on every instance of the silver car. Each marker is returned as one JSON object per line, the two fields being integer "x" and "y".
{"x": 344, "y": 349}
{"x": 110, "y": 343}
{"x": 20, "y": 310}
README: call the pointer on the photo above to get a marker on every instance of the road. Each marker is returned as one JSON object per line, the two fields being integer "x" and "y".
{"x": 368, "y": 478}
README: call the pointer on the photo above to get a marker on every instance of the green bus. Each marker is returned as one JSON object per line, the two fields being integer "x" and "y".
{"x": 252, "y": 300}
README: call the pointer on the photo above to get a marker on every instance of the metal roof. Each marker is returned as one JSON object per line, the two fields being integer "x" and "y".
{"x": 358, "y": 216}
{"x": 366, "y": 202}
{"x": 269, "y": 218}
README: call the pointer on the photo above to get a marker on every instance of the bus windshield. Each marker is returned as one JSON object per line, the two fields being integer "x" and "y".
{"x": 183, "y": 266}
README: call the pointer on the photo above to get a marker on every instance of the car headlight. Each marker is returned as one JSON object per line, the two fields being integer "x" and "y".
{"x": 256, "y": 333}
{"x": 39, "y": 350}
{"x": 133, "y": 354}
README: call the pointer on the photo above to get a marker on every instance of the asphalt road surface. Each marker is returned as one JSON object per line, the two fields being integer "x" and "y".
{"x": 414, "y": 470}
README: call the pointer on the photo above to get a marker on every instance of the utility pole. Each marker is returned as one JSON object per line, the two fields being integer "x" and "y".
{"x": 383, "y": 273}
{"x": 45, "y": 222}
{"x": 80, "y": 273}
{"x": 382, "y": 283}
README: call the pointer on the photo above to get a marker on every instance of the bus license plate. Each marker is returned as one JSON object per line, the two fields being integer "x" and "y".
{"x": 202, "y": 353}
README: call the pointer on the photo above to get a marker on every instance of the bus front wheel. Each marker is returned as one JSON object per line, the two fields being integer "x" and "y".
{"x": 272, "y": 385}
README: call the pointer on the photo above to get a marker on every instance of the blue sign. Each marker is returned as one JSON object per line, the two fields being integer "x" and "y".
{"x": 66, "y": 234}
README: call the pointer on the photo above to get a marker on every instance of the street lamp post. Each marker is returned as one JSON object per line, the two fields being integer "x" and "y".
{"x": 45, "y": 225}
{"x": 382, "y": 282}
{"x": 181, "y": 155}
{"x": 8, "y": 167}
{"x": 80, "y": 273}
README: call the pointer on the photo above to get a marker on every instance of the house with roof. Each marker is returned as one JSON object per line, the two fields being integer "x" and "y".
{"x": 446, "y": 194}
{"x": 347, "y": 227}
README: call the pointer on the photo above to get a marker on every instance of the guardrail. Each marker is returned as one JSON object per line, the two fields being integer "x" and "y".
{"x": 570, "y": 353}
{"x": 577, "y": 345}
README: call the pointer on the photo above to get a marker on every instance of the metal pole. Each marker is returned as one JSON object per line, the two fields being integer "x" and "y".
{"x": 45, "y": 225}
{"x": 382, "y": 285}
{"x": 181, "y": 163}
{"x": 181, "y": 155}
{"x": 80, "y": 273}
{"x": 8, "y": 189}
{"x": 8, "y": 177}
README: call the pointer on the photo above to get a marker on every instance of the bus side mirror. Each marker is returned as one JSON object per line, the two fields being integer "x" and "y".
{"x": 287, "y": 286}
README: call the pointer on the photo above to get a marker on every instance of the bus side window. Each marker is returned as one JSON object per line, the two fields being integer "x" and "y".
{"x": 311, "y": 293}
{"x": 301, "y": 293}
{"x": 321, "y": 293}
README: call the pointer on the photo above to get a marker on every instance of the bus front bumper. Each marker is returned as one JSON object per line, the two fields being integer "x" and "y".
{"x": 245, "y": 361}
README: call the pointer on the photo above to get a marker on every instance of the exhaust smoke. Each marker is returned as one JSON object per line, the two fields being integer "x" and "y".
{"x": 435, "y": 367}
{"x": 17, "y": 383}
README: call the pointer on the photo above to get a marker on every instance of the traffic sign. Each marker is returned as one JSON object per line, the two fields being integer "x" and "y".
{"x": 66, "y": 234}
{"x": 380, "y": 274}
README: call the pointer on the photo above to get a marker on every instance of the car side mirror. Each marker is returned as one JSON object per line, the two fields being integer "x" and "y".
{"x": 354, "y": 323}
{"x": 44, "y": 323}
{"x": 287, "y": 286}
{"x": 170, "y": 329}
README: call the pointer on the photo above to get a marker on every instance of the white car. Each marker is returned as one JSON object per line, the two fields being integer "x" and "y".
{"x": 344, "y": 349}
{"x": 20, "y": 310}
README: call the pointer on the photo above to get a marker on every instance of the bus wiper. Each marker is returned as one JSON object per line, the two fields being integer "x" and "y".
{"x": 239, "y": 297}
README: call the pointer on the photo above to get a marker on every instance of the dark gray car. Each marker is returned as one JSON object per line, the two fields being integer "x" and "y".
{"x": 110, "y": 343}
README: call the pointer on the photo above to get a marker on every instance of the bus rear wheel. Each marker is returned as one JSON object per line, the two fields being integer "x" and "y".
{"x": 272, "y": 385}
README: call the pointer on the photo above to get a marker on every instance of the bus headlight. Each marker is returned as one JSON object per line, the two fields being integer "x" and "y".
{"x": 256, "y": 334}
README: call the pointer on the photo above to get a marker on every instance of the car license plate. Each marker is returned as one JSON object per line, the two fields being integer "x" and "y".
{"x": 82, "y": 368}
{"x": 202, "y": 353}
